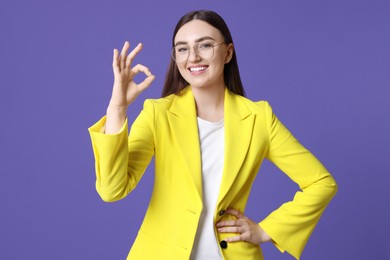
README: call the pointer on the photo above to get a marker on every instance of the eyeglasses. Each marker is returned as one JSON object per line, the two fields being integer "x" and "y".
{"x": 205, "y": 50}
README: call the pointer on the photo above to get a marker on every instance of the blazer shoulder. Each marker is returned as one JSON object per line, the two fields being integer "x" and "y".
{"x": 261, "y": 106}
{"x": 159, "y": 104}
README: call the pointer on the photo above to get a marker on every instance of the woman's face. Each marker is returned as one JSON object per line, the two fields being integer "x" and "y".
{"x": 207, "y": 54}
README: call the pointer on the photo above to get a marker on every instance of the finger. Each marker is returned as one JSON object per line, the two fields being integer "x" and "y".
{"x": 132, "y": 54}
{"x": 227, "y": 223}
{"x": 230, "y": 230}
{"x": 141, "y": 68}
{"x": 122, "y": 57}
{"x": 149, "y": 77}
{"x": 235, "y": 213}
{"x": 146, "y": 83}
{"x": 115, "y": 64}
{"x": 234, "y": 239}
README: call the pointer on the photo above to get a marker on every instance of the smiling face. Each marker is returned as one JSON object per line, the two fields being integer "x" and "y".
{"x": 207, "y": 54}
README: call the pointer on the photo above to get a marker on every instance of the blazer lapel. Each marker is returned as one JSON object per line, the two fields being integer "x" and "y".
{"x": 184, "y": 126}
{"x": 239, "y": 122}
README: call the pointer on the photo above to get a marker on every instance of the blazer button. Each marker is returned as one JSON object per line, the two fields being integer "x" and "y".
{"x": 223, "y": 244}
{"x": 222, "y": 212}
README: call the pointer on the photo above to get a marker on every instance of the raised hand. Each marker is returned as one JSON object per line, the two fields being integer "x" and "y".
{"x": 125, "y": 90}
{"x": 245, "y": 228}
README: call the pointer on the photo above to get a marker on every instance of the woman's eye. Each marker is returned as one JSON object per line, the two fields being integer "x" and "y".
{"x": 205, "y": 45}
{"x": 182, "y": 49}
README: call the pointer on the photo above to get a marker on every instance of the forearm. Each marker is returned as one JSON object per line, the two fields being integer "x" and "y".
{"x": 116, "y": 116}
{"x": 111, "y": 156}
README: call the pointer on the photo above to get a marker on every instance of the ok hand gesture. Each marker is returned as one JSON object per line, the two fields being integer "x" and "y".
{"x": 125, "y": 90}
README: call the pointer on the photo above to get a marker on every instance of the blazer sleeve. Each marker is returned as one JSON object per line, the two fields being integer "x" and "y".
{"x": 121, "y": 159}
{"x": 291, "y": 224}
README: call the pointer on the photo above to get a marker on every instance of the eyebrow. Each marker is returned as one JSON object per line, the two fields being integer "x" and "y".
{"x": 196, "y": 41}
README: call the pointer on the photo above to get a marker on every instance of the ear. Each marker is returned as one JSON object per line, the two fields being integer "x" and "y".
{"x": 229, "y": 53}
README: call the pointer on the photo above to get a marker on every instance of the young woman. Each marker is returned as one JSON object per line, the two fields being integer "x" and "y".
{"x": 209, "y": 142}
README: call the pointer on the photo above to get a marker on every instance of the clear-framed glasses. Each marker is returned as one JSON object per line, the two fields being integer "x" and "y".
{"x": 181, "y": 52}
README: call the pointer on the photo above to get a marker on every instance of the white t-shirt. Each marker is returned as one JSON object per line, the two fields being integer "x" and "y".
{"x": 211, "y": 135}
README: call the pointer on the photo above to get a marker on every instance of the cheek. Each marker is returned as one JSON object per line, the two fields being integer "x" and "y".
{"x": 218, "y": 65}
{"x": 181, "y": 69}
{"x": 219, "y": 60}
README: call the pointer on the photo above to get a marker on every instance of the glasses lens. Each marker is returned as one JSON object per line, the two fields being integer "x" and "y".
{"x": 181, "y": 53}
{"x": 205, "y": 50}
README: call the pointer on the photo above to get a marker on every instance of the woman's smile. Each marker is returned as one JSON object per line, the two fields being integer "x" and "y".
{"x": 198, "y": 69}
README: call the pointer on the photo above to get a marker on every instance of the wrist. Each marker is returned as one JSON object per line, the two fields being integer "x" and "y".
{"x": 264, "y": 237}
{"x": 117, "y": 111}
{"x": 116, "y": 116}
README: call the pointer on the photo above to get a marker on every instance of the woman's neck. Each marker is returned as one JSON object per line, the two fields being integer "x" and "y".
{"x": 210, "y": 102}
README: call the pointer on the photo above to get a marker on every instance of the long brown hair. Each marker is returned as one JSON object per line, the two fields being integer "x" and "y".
{"x": 174, "y": 82}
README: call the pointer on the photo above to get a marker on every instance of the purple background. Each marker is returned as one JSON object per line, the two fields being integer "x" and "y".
{"x": 323, "y": 65}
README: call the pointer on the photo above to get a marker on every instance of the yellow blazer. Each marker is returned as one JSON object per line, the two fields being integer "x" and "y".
{"x": 167, "y": 128}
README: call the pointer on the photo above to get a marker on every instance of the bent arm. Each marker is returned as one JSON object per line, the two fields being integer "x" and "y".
{"x": 291, "y": 225}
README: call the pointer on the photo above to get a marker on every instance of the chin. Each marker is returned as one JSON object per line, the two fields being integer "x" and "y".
{"x": 198, "y": 84}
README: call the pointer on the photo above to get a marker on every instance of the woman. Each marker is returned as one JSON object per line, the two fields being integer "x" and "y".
{"x": 209, "y": 142}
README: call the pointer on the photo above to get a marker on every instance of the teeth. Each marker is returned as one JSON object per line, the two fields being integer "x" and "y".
{"x": 196, "y": 69}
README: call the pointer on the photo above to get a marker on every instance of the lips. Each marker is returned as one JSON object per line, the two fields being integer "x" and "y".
{"x": 198, "y": 68}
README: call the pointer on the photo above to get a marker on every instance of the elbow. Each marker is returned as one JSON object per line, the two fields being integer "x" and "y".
{"x": 335, "y": 188}
{"x": 107, "y": 195}
{"x": 324, "y": 189}
{"x": 330, "y": 186}
{"x": 333, "y": 185}
{"x": 108, "y": 198}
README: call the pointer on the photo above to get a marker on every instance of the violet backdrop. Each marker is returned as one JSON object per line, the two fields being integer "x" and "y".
{"x": 323, "y": 65}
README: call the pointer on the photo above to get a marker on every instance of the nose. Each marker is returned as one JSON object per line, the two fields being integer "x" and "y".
{"x": 193, "y": 54}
